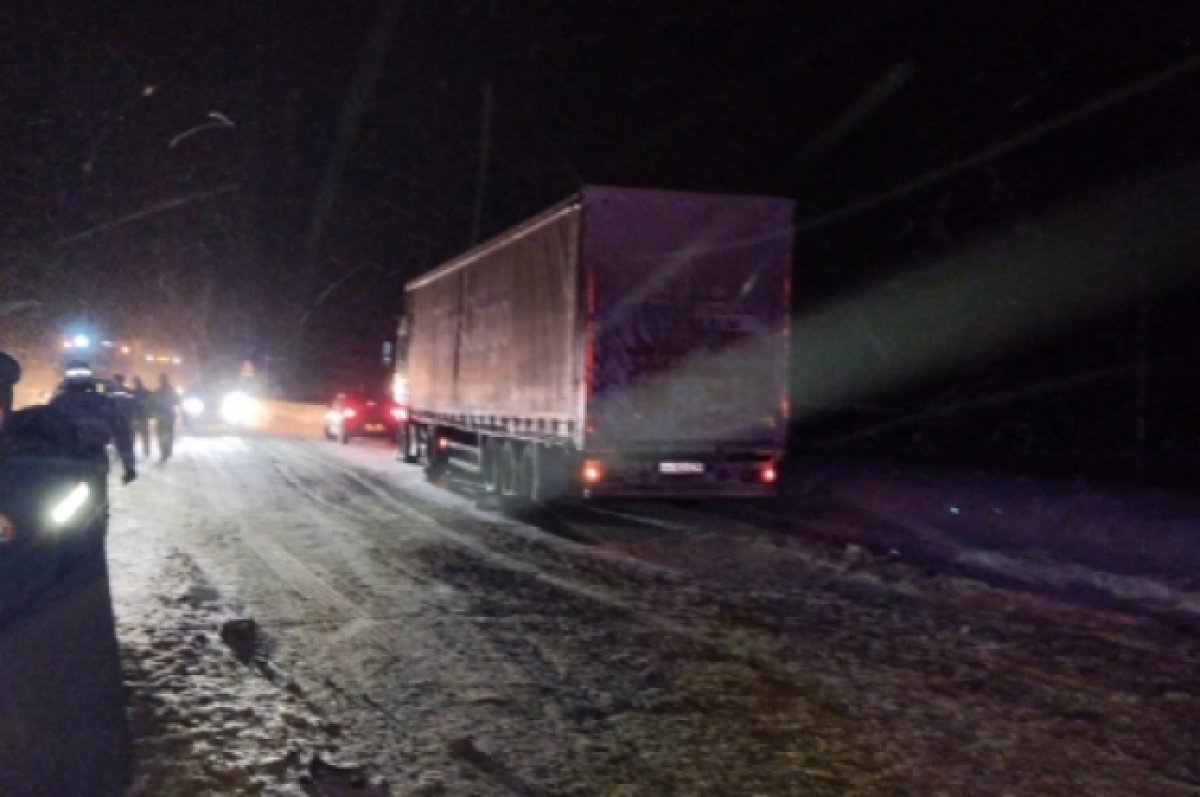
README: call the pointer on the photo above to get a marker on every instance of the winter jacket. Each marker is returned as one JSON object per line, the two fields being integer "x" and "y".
{"x": 98, "y": 421}
{"x": 163, "y": 403}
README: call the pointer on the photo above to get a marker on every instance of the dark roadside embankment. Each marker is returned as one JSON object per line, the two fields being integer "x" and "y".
{"x": 1121, "y": 548}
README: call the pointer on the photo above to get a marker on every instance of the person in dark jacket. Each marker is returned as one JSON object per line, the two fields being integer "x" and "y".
{"x": 123, "y": 398}
{"x": 141, "y": 416}
{"x": 164, "y": 407}
{"x": 43, "y": 452}
{"x": 97, "y": 418}
{"x": 65, "y": 729}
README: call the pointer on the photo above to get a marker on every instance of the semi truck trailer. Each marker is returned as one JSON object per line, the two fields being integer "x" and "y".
{"x": 623, "y": 343}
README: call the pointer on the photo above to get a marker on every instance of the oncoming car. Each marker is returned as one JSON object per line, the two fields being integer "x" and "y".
{"x": 218, "y": 407}
{"x": 352, "y": 415}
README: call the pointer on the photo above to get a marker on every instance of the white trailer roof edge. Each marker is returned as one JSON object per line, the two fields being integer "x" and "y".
{"x": 570, "y": 204}
{"x": 548, "y": 216}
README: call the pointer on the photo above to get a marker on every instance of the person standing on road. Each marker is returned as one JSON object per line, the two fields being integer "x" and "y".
{"x": 65, "y": 729}
{"x": 124, "y": 401}
{"x": 76, "y": 426}
{"x": 164, "y": 404}
{"x": 141, "y": 416}
{"x": 98, "y": 419}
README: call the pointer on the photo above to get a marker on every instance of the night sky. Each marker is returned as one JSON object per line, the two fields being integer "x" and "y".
{"x": 237, "y": 175}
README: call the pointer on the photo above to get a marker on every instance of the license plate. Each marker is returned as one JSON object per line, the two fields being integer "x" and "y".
{"x": 374, "y": 427}
{"x": 680, "y": 468}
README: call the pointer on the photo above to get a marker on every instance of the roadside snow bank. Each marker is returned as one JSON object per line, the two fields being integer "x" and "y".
{"x": 1130, "y": 549}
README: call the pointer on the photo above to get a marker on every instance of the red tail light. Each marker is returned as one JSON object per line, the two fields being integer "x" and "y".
{"x": 768, "y": 475}
{"x": 593, "y": 471}
{"x": 443, "y": 443}
{"x": 399, "y": 413}
{"x": 349, "y": 412}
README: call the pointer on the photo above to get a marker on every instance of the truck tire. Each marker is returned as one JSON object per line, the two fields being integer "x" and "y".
{"x": 417, "y": 440}
{"x": 546, "y": 474}
{"x": 525, "y": 473}
{"x": 436, "y": 460}
{"x": 510, "y": 469}
{"x": 407, "y": 444}
{"x": 490, "y": 451}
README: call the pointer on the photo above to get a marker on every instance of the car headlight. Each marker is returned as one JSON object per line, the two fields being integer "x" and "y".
{"x": 238, "y": 408}
{"x": 68, "y": 507}
{"x": 193, "y": 406}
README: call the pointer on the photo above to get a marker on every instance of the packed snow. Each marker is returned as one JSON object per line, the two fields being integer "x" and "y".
{"x": 300, "y": 618}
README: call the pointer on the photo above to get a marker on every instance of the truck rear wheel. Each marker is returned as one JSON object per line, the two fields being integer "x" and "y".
{"x": 436, "y": 457}
{"x": 407, "y": 443}
{"x": 544, "y": 473}
{"x": 510, "y": 469}
{"x": 425, "y": 442}
{"x": 490, "y": 452}
{"x": 525, "y": 474}
{"x": 418, "y": 443}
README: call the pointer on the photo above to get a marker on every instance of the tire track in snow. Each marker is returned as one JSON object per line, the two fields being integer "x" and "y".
{"x": 562, "y": 694}
{"x": 542, "y": 652}
{"x": 293, "y": 572}
{"x": 381, "y": 640}
{"x": 504, "y": 560}
{"x": 299, "y": 484}
{"x": 645, "y": 610}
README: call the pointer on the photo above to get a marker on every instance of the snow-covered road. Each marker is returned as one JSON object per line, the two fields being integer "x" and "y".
{"x": 406, "y": 642}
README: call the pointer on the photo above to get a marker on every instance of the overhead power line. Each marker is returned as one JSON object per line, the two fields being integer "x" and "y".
{"x": 1004, "y": 147}
{"x": 153, "y": 210}
{"x": 370, "y": 62}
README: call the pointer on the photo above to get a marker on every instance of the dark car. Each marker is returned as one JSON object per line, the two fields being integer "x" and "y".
{"x": 352, "y": 415}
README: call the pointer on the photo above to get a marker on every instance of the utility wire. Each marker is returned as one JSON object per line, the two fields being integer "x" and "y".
{"x": 370, "y": 62}
{"x": 1004, "y": 147}
{"x": 153, "y": 210}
